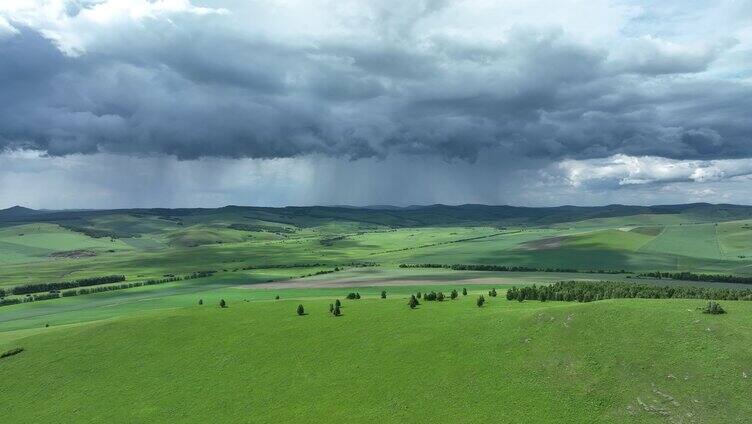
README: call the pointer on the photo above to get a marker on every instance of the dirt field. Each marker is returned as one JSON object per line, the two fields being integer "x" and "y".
{"x": 414, "y": 277}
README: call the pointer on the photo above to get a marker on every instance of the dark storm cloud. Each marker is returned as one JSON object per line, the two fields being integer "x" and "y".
{"x": 191, "y": 86}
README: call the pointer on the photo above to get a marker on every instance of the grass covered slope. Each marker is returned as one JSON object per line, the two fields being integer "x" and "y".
{"x": 607, "y": 361}
{"x": 153, "y": 243}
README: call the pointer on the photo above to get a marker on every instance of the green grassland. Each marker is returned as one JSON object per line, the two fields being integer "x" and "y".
{"x": 609, "y": 361}
{"x": 215, "y": 246}
{"x": 151, "y": 354}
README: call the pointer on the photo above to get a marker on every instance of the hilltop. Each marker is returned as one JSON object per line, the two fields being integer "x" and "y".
{"x": 410, "y": 216}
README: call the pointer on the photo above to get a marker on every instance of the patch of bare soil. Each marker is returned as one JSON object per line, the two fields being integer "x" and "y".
{"x": 543, "y": 244}
{"x": 73, "y": 254}
{"x": 303, "y": 283}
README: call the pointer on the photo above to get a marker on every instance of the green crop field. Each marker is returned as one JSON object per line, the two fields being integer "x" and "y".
{"x": 151, "y": 353}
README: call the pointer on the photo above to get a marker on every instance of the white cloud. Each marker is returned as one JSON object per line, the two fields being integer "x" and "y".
{"x": 624, "y": 170}
{"x": 74, "y": 25}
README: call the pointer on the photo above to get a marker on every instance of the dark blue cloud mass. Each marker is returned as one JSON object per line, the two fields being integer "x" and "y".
{"x": 191, "y": 84}
{"x": 535, "y": 82}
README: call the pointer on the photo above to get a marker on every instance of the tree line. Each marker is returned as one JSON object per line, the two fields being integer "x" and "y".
{"x": 508, "y": 268}
{"x": 307, "y": 265}
{"x": 689, "y": 276}
{"x": 55, "y": 294}
{"x": 98, "y": 233}
{"x": 587, "y": 291}
{"x": 61, "y": 285}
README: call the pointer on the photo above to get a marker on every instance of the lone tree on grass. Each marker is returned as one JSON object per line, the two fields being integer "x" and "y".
{"x": 337, "y": 303}
{"x": 413, "y": 302}
{"x": 383, "y": 294}
{"x": 276, "y": 297}
{"x": 201, "y": 301}
{"x": 336, "y": 312}
{"x": 454, "y": 294}
{"x": 481, "y": 300}
{"x": 713, "y": 308}
{"x": 418, "y": 295}
{"x": 301, "y": 311}
{"x": 464, "y": 291}
{"x": 492, "y": 292}
{"x": 222, "y": 303}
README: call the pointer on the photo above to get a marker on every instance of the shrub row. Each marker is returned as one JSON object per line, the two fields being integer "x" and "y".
{"x": 11, "y": 352}
{"x": 5, "y": 302}
{"x": 586, "y": 291}
{"x": 513, "y": 268}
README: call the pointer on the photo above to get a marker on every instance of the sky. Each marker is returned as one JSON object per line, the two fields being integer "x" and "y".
{"x": 205, "y": 103}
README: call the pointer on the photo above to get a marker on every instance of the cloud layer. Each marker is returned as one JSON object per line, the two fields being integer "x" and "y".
{"x": 358, "y": 79}
{"x": 488, "y": 99}
{"x": 622, "y": 170}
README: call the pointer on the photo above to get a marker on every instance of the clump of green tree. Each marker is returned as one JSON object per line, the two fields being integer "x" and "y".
{"x": 353, "y": 296}
{"x": 453, "y": 295}
{"x": 434, "y": 297}
{"x": 413, "y": 302}
{"x": 713, "y": 308}
{"x": 301, "y": 310}
{"x": 464, "y": 291}
{"x": 383, "y": 294}
{"x": 492, "y": 293}
{"x": 481, "y": 301}
{"x": 222, "y": 303}
{"x": 336, "y": 311}
{"x": 588, "y": 291}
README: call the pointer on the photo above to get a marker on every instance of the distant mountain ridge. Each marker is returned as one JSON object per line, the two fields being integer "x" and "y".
{"x": 469, "y": 214}
{"x": 18, "y": 211}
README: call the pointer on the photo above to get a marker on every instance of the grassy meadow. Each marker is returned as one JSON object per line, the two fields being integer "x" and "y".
{"x": 153, "y": 354}
{"x": 609, "y": 361}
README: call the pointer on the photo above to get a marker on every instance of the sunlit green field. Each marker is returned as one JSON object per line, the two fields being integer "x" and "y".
{"x": 166, "y": 248}
{"x": 608, "y": 361}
